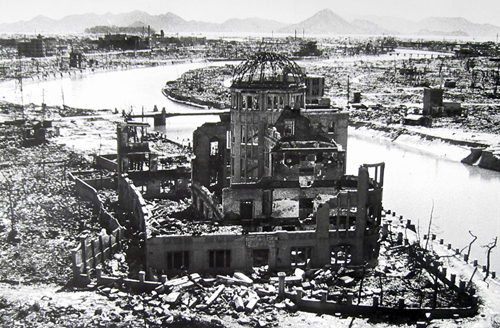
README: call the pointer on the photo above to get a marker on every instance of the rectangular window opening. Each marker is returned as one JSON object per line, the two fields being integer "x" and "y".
{"x": 177, "y": 260}
{"x": 219, "y": 258}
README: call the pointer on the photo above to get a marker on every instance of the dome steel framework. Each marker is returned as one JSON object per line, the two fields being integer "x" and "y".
{"x": 267, "y": 70}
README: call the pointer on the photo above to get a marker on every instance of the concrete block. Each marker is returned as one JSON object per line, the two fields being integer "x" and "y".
{"x": 252, "y": 303}
{"x": 173, "y": 298}
{"x": 215, "y": 295}
{"x": 243, "y": 277}
{"x": 238, "y": 304}
{"x": 291, "y": 306}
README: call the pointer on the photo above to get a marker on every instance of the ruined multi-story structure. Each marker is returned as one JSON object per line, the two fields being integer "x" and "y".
{"x": 151, "y": 172}
{"x": 35, "y": 47}
{"x": 278, "y": 169}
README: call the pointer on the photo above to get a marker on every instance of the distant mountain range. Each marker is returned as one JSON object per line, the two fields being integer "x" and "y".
{"x": 323, "y": 22}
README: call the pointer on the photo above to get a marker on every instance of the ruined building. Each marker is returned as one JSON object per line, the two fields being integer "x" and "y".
{"x": 278, "y": 169}
{"x": 152, "y": 173}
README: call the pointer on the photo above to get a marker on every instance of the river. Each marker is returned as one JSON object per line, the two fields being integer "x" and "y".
{"x": 462, "y": 198}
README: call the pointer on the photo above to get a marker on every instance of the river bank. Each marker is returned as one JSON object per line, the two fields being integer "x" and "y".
{"x": 47, "y": 68}
{"x": 461, "y": 144}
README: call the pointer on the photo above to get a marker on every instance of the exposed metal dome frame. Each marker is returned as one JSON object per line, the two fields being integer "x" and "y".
{"x": 267, "y": 69}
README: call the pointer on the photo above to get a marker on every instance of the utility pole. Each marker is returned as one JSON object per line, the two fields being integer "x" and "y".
{"x": 348, "y": 91}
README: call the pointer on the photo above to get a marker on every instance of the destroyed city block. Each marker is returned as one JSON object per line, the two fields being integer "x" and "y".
{"x": 275, "y": 223}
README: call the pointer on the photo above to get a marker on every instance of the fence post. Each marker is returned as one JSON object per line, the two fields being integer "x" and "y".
{"x": 119, "y": 234}
{"x": 83, "y": 242}
{"x": 76, "y": 268}
{"x": 142, "y": 276}
{"x": 98, "y": 273}
{"x": 299, "y": 295}
{"x": 93, "y": 242}
{"x": 102, "y": 246}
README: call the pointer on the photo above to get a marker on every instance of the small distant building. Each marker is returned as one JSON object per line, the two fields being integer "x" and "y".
{"x": 32, "y": 48}
{"x": 433, "y": 101}
{"x": 315, "y": 89}
{"x": 75, "y": 60}
{"x": 435, "y": 106}
{"x": 309, "y": 48}
{"x": 123, "y": 42}
{"x": 355, "y": 97}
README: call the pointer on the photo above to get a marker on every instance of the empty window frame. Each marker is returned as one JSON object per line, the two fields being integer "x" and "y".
{"x": 177, "y": 260}
{"x": 300, "y": 256}
{"x": 340, "y": 254}
{"x": 219, "y": 258}
{"x": 289, "y": 127}
{"x": 167, "y": 186}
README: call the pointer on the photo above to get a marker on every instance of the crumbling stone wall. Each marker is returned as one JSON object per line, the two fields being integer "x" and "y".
{"x": 85, "y": 190}
{"x": 131, "y": 199}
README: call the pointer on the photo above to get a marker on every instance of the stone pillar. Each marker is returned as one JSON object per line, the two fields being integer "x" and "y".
{"x": 350, "y": 297}
{"x": 272, "y": 258}
{"x": 322, "y": 255}
{"x": 362, "y": 192}
{"x": 385, "y": 230}
{"x": 400, "y": 238}
{"x": 98, "y": 273}
{"x": 298, "y": 299}
{"x": 83, "y": 242}
{"x": 281, "y": 286}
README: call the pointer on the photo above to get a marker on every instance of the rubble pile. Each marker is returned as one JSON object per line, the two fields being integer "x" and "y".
{"x": 41, "y": 218}
{"x": 47, "y": 313}
{"x": 221, "y": 298}
{"x": 170, "y": 217}
{"x": 254, "y": 298}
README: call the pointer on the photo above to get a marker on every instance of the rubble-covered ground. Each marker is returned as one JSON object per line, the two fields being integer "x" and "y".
{"x": 205, "y": 85}
{"x": 35, "y": 266}
{"x": 35, "y": 289}
{"x": 41, "y": 218}
{"x": 390, "y": 89}
{"x": 387, "y": 92}
{"x": 252, "y": 299}
{"x": 170, "y": 217}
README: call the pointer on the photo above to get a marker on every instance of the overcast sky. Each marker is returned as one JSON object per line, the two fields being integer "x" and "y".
{"x": 286, "y": 11}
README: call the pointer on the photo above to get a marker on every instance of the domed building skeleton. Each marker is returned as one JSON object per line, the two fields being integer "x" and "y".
{"x": 277, "y": 168}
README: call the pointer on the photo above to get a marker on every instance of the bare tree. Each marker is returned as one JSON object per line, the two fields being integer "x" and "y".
{"x": 470, "y": 244}
{"x": 490, "y": 247}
